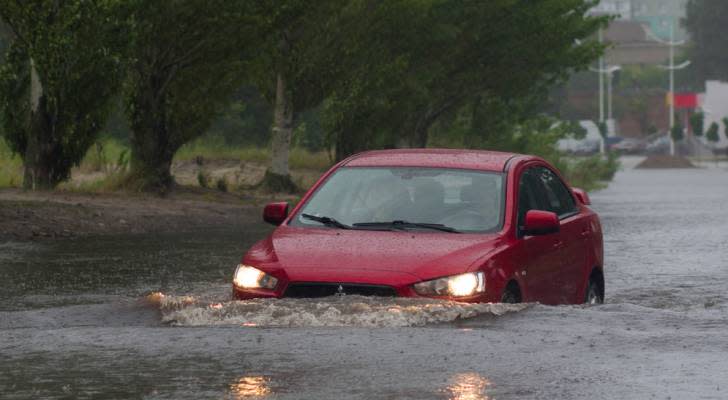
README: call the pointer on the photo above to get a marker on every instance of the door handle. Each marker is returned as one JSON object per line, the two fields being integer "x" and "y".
{"x": 558, "y": 244}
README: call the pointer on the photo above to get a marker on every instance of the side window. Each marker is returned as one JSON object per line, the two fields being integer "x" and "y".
{"x": 558, "y": 198}
{"x": 527, "y": 195}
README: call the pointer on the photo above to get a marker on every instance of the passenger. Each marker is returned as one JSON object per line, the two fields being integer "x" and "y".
{"x": 429, "y": 202}
{"x": 387, "y": 200}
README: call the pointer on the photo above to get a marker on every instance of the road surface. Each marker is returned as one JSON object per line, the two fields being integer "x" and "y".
{"x": 148, "y": 317}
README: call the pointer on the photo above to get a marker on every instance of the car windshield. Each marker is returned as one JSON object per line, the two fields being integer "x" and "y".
{"x": 464, "y": 200}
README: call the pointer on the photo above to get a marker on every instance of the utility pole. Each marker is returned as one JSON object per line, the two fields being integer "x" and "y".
{"x": 605, "y": 71}
{"x": 601, "y": 80}
{"x": 672, "y": 68}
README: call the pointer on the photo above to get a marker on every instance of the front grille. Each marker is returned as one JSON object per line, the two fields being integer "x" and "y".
{"x": 310, "y": 290}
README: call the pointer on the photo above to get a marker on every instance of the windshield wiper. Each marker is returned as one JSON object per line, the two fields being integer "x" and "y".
{"x": 328, "y": 221}
{"x": 406, "y": 224}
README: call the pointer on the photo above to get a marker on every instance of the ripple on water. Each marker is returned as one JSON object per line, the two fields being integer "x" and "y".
{"x": 355, "y": 311}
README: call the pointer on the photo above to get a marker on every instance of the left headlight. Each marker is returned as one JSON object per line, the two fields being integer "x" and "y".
{"x": 462, "y": 285}
{"x": 248, "y": 277}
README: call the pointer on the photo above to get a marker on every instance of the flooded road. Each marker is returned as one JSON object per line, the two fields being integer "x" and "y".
{"x": 149, "y": 317}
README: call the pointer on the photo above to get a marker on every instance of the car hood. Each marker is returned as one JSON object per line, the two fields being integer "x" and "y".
{"x": 424, "y": 255}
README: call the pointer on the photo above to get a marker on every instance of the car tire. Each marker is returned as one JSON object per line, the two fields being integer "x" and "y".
{"x": 593, "y": 295}
{"x": 511, "y": 295}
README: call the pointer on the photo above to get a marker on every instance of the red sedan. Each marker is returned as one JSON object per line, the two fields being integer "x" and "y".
{"x": 474, "y": 226}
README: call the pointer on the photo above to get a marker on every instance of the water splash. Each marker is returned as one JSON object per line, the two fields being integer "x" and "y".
{"x": 356, "y": 311}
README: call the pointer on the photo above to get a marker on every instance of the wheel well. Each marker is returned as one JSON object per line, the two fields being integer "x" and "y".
{"x": 597, "y": 276}
{"x": 513, "y": 287}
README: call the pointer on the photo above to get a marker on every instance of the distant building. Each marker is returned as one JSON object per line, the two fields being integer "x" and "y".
{"x": 715, "y": 107}
{"x": 631, "y": 45}
{"x": 622, "y": 9}
{"x": 661, "y": 15}
{"x": 639, "y": 27}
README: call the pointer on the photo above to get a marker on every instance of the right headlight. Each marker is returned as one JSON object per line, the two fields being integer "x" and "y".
{"x": 248, "y": 277}
{"x": 462, "y": 285}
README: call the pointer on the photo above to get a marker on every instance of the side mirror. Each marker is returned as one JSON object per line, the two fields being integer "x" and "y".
{"x": 582, "y": 196}
{"x": 275, "y": 213}
{"x": 540, "y": 223}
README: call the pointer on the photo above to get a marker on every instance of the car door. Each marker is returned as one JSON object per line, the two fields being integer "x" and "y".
{"x": 566, "y": 280}
{"x": 539, "y": 256}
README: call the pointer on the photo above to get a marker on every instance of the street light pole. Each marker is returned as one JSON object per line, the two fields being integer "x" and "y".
{"x": 672, "y": 89}
{"x": 601, "y": 80}
{"x": 672, "y": 68}
{"x": 609, "y": 95}
{"x": 605, "y": 71}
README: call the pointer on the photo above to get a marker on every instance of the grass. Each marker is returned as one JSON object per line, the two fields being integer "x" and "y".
{"x": 590, "y": 173}
{"x": 106, "y": 155}
{"x": 109, "y": 158}
{"x": 11, "y": 167}
{"x": 211, "y": 150}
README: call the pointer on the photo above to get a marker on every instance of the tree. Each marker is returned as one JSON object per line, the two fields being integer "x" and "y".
{"x": 696, "y": 123}
{"x": 676, "y": 132}
{"x": 712, "y": 134}
{"x": 448, "y": 53}
{"x": 188, "y": 57}
{"x": 707, "y": 23}
{"x": 299, "y": 63}
{"x": 56, "y": 87}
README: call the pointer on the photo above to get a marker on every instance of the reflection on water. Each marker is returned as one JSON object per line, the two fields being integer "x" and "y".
{"x": 249, "y": 387}
{"x": 468, "y": 386}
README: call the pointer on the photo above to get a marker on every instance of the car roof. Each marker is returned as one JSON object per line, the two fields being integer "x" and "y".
{"x": 433, "y": 158}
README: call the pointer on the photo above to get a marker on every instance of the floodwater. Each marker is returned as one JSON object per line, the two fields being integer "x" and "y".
{"x": 150, "y": 317}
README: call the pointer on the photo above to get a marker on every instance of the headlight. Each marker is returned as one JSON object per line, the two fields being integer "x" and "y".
{"x": 462, "y": 285}
{"x": 252, "y": 278}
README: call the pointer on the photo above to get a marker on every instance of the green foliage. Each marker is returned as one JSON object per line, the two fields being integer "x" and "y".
{"x": 75, "y": 49}
{"x": 706, "y": 23}
{"x": 449, "y": 53}
{"x": 106, "y": 155}
{"x": 210, "y": 149}
{"x": 602, "y": 126}
{"x": 539, "y": 136}
{"x": 245, "y": 121}
{"x": 641, "y": 77}
{"x": 713, "y": 133}
{"x": 202, "y": 179}
{"x": 187, "y": 60}
{"x": 11, "y": 167}
{"x": 725, "y": 125}
{"x": 590, "y": 173}
{"x": 696, "y": 123}
{"x": 676, "y": 132}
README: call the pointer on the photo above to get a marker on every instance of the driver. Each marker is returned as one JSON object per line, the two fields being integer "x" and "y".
{"x": 387, "y": 200}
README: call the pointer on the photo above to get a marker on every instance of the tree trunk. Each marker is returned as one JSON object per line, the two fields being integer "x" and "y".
{"x": 422, "y": 130}
{"x": 43, "y": 167}
{"x": 278, "y": 177}
{"x": 282, "y": 129}
{"x": 152, "y": 149}
{"x": 39, "y": 171}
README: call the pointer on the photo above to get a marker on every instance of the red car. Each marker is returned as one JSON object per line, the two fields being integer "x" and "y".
{"x": 465, "y": 225}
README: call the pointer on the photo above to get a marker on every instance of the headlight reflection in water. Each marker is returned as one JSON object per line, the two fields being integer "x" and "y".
{"x": 250, "y": 387}
{"x": 468, "y": 386}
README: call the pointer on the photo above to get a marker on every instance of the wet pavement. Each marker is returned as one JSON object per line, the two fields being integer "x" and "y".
{"x": 149, "y": 317}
